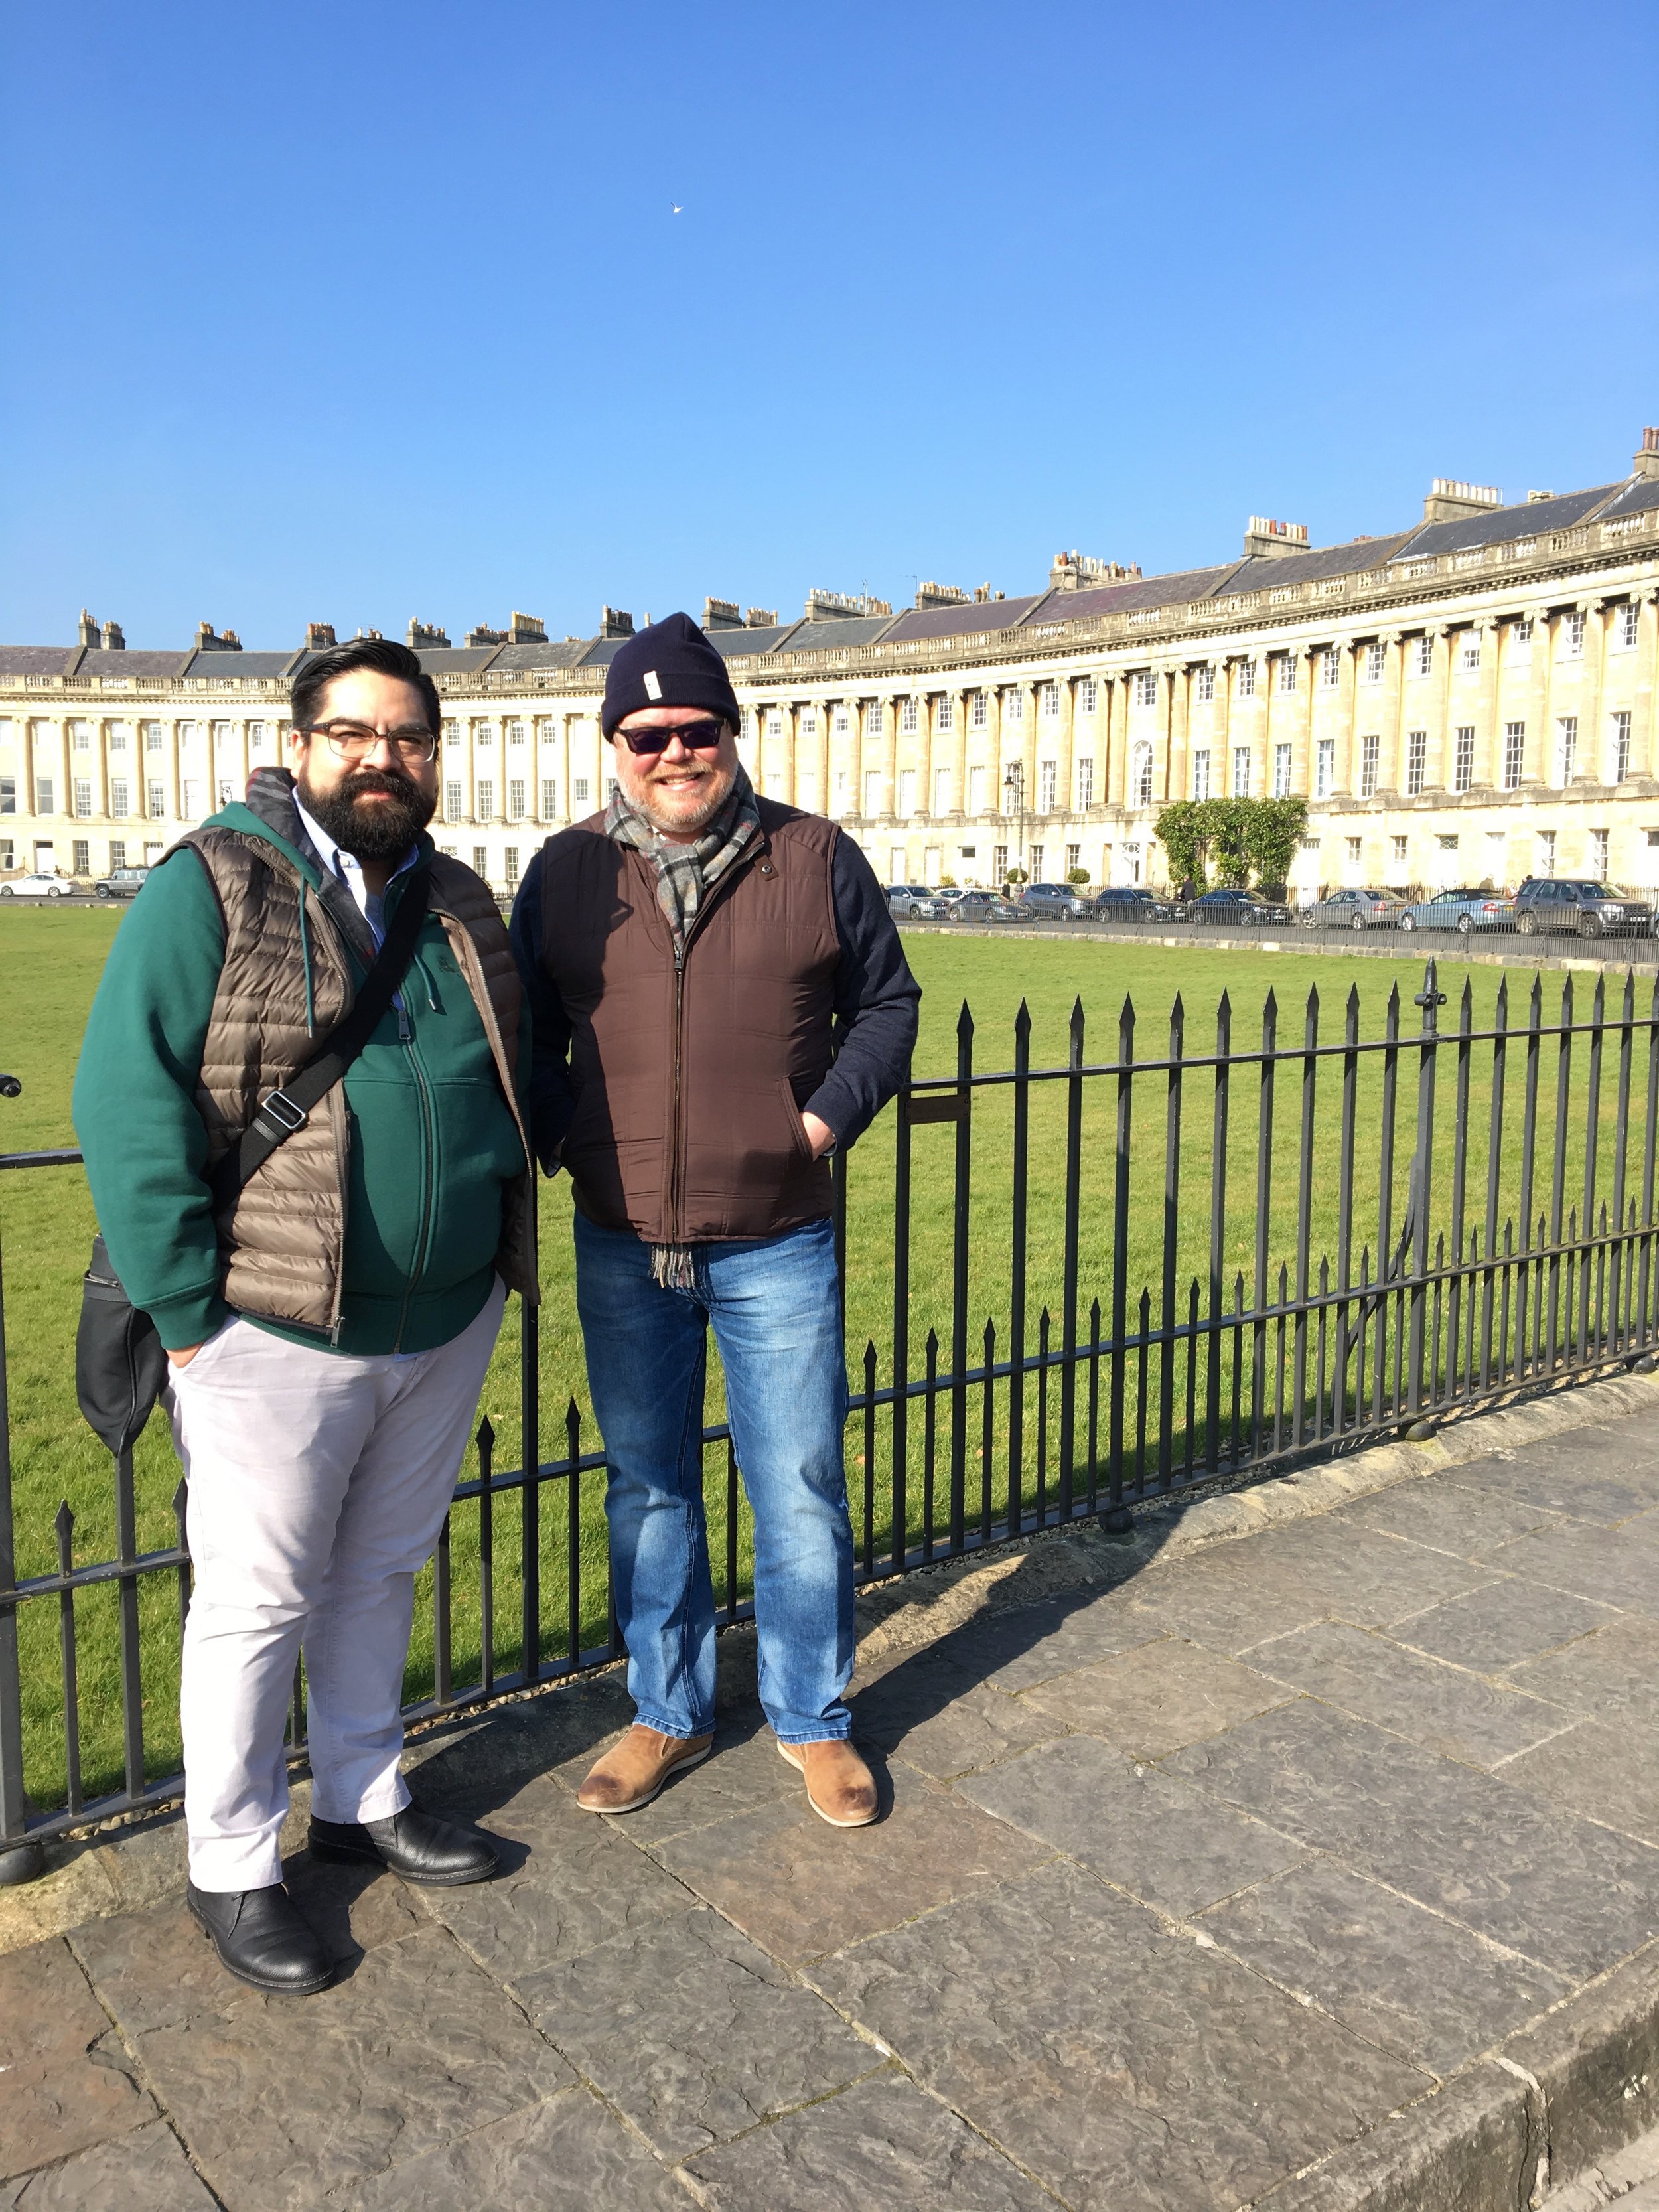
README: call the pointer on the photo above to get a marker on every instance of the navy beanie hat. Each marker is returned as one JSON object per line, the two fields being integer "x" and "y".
{"x": 671, "y": 664}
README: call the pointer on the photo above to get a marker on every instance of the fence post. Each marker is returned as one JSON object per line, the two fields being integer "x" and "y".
{"x": 1430, "y": 998}
{"x": 20, "y": 1860}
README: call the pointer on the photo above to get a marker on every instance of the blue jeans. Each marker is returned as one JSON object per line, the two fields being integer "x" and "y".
{"x": 776, "y": 1314}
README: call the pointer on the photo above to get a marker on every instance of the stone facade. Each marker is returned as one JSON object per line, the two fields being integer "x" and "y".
{"x": 1470, "y": 699}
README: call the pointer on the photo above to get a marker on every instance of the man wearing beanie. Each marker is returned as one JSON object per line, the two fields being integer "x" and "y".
{"x": 720, "y": 1000}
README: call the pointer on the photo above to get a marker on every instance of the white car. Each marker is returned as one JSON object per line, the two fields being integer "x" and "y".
{"x": 37, "y": 886}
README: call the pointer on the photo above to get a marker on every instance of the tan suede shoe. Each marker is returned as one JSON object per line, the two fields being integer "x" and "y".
{"x": 840, "y": 1787}
{"x": 631, "y": 1773}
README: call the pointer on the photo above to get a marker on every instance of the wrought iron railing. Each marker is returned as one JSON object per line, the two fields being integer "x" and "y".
{"x": 1175, "y": 1291}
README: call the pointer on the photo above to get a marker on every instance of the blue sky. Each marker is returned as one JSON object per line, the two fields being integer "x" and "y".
{"x": 359, "y": 311}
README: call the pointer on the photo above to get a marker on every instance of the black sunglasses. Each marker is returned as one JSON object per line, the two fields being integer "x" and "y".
{"x": 695, "y": 737}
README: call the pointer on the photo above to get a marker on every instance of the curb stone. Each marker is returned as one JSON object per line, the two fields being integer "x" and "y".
{"x": 1476, "y": 2145}
{"x": 1596, "y": 2063}
{"x": 121, "y": 1867}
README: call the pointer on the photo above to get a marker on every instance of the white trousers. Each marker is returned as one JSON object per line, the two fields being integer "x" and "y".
{"x": 319, "y": 1483}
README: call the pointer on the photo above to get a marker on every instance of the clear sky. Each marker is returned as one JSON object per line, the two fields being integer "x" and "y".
{"x": 354, "y": 311}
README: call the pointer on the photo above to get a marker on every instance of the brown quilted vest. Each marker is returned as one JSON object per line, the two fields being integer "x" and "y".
{"x": 282, "y": 1241}
{"x": 690, "y": 1081}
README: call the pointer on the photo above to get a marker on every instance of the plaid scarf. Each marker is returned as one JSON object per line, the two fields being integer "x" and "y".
{"x": 684, "y": 874}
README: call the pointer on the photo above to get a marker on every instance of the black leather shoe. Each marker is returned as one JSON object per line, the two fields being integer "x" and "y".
{"x": 261, "y": 1938}
{"x": 417, "y": 1845}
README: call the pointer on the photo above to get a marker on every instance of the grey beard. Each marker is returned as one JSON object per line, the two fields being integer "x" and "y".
{"x": 721, "y": 785}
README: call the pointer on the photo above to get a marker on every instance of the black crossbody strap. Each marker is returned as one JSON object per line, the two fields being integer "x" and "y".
{"x": 283, "y": 1111}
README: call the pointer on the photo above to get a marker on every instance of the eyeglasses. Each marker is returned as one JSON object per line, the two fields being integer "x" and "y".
{"x": 351, "y": 741}
{"x": 695, "y": 737}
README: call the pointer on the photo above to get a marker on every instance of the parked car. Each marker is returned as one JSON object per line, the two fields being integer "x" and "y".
{"x": 1122, "y": 902}
{"x": 1354, "y": 910}
{"x": 1549, "y": 904}
{"x": 913, "y": 902}
{"x": 988, "y": 906}
{"x": 1057, "y": 901}
{"x": 37, "y": 886}
{"x": 122, "y": 882}
{"x": 1229, "y": 909}
{"x": 1464, "y": 911}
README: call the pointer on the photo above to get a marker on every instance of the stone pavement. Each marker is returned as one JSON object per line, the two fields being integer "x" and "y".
{"x": 1315, "y": 1868}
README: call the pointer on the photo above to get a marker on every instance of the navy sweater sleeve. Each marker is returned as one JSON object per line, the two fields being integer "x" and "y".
{"x": 877, "y": 1000}
{"x": 552, "y": 1102}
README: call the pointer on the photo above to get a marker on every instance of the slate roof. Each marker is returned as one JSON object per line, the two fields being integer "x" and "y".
{"x": 1140, "y": 591}
{"x": 1637, "y": 497}
{"x": 457, "y": 660}
{"x": 1262, "y": 571}
{"x": 36, "y": 659}
{"x": 743, "y": 644}
{"x": 96, "y": 662}
{"x": 1500, "y": 524}
{"x": 964, "y": 621}
{"x": 226, "y": 667}
{"x": 601, "y": 652}
{"x": 559, "y": 653}
{"x": 840, "y": 637}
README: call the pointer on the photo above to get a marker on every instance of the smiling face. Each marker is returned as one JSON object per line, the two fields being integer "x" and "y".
{"x": 678, "y": 790}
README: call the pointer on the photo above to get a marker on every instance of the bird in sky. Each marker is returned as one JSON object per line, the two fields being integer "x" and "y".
{"x": 674, "y": 208}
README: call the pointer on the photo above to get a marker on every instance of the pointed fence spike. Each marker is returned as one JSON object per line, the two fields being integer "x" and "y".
{"x": 64, "y": 1522}
{"x": 1313, "y": 999}
{"x": 180, "y": 1498}
{"x": 965, "y": 1021}
{"x": 1503, "y": 1002}
{"x": 486, "y": 1437}
{"x": 933, "y": 1342}
{"x": 1023, "y": 1020}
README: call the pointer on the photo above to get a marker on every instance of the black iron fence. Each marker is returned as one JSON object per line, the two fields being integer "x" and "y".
{"x": 1075, "y": 1285}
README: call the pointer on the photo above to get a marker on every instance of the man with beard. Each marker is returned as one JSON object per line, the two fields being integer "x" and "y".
{"x": 720, "y": 1000}
{"x": 328, "y": 1316}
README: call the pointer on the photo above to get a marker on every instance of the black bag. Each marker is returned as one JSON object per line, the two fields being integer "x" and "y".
{"x": 119, "y": 1363}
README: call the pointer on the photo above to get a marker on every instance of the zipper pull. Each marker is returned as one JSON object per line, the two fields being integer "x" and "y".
{"x": 404, "y": 1032}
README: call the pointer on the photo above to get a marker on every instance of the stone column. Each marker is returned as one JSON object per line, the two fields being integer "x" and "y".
{"x": 1445, "y": 642}
{"x": 1065, "y": 788}
{"x": 1535, "y": 759}
{"x": 959, "y": 750}
{"x": 1390, "y": 710}
{"x": 1592, "y": 738}
{"x": 1344, "y": 773}
{"x": 1642, "y": 748}
{"x": 1173, "y": 778}
{"x": 1484, "y": 771}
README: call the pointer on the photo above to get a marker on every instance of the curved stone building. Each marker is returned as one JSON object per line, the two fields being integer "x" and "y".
{"x": 1466, "y": 700}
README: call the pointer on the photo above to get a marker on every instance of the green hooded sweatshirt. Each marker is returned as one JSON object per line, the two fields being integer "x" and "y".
{"x": 433, "y": 1140}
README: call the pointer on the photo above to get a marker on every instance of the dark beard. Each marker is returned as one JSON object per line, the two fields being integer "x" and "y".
{"x": 381, "y": 833}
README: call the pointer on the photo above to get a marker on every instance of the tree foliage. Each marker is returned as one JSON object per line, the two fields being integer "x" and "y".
{"x": 1231, "y": 841}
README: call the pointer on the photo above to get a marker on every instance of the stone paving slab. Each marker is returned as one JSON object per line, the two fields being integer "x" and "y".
{"x": 1133, "y": 2079}
{"x": 144, "y": 2171}
{"x": 799, "y": 1887}
{"x": 1557, "y": 1890}
{"x": 692, "y": 2033}
{"x": 884, "y": 2147}
{"x": 1309, "y": 1863}
{"x": 1408, "y": 1980}
{"x": 1436, "y": 1705}
{"x": 283, "y": 2101}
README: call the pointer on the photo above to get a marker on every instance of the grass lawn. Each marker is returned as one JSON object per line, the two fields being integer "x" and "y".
{"x": 49, "y": 964}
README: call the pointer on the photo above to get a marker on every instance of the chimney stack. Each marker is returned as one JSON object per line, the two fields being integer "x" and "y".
{"x": 209, "y": 640}
{"x": 1646, "y": 461}
{"x": 525, "y": 629}
{"x": 425, "y": 637}
{"x": 1075, "y": 572}
{"x": 1451, "y": 499}
{"x": 113, "y": 638}
{"x": 481, "y": 635}
{"x": 1271, "y": 540}
{"x": 614, "y": 622}
{"x": 722, "y": 614}
{"x": 318, "y": 636}
{"x": 761, "y": 618}
{"x": 87, "y": 634}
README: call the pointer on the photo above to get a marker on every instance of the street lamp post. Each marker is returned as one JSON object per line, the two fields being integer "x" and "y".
{"x": 1013, "y": 796}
